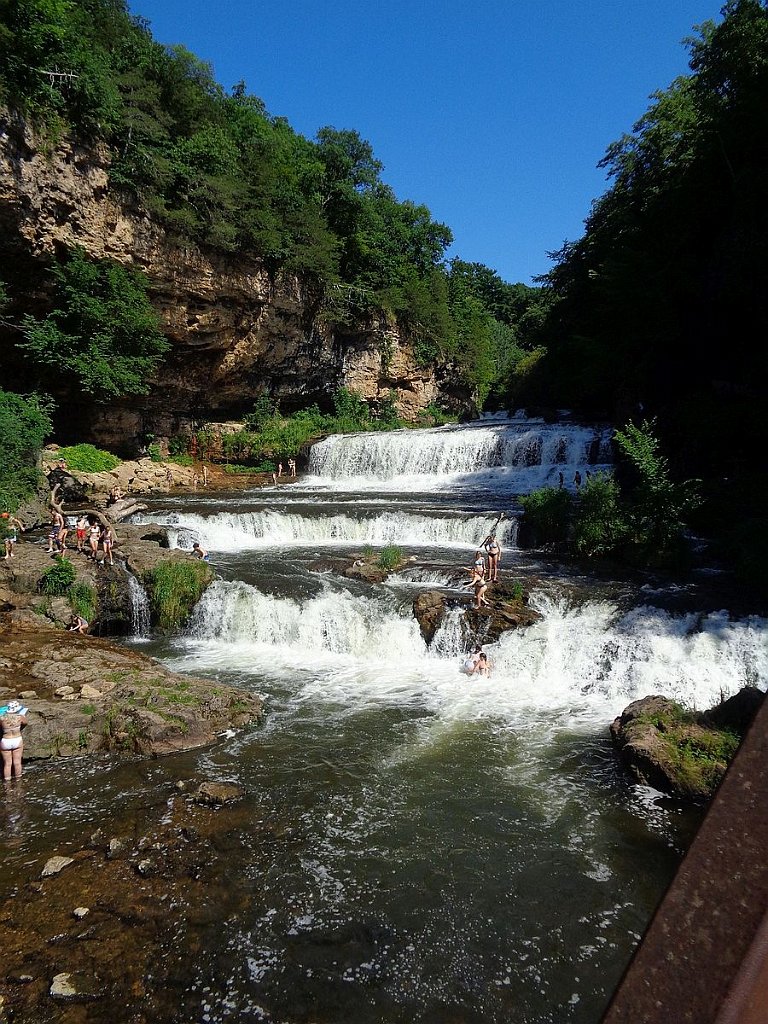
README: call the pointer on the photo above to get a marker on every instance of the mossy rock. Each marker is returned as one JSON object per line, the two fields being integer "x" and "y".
{"x": 672, "y": 749}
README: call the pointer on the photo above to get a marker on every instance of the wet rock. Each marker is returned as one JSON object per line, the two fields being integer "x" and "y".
{"x": 115, "y": 847}
{"x": 216, "y": 794}
{"x": 429, "y": 610}
{"x": 145, "y": 867}
{"x": 738, "y": 711}
{"x": 56, "y": 864}
{"x": 365, "y": 571}
{"x": 674, "y": 750}
{"x": 74, "y": 987}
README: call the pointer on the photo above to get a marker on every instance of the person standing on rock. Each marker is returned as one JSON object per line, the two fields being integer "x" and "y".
{"x": 107, "y": 538}
{"x": 8, "y": 526}
{"x": 60, "y": 526}
{"x": 80, "y": 531}
{"x": 94, "y": 532}
{"x": 205, "y": 476}
{"x": 12, "y": 721}
{"x": 491, "y": 545}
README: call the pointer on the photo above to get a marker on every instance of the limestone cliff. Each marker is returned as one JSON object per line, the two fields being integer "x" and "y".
{"x": 236, "y": 329}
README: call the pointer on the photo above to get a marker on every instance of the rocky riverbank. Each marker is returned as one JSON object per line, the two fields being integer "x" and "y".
{"x": 86, "y": 696}
{"x": 93, "y": 921}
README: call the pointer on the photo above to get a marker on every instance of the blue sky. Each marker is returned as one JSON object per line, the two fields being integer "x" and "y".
{"x": 493, "y": 114}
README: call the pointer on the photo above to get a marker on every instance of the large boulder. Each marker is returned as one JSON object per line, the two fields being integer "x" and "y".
{"x": 429, "y": 610}
{"x": 672, "y": 749}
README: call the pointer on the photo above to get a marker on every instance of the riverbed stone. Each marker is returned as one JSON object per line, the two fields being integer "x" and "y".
{"x": 216, "y": 794}
{"x": 56, "y": 864}
{"x": 71, "y": 987}
{"x": 88, "y": 692}
{"x": 429, "y": 610}
{"x": 81, "y": 912}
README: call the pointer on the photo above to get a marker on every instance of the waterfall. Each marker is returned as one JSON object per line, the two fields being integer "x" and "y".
{"x": 139, "y": 608}
{"x": 588, "y": 660}
{"x": 518, "y": 455}
{"x": 226, "y": 531}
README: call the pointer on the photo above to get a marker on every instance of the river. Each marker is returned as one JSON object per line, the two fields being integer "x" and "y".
{"x": 446, "y": 849}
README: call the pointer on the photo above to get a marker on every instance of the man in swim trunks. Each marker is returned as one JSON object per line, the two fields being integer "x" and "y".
{"x": 199, "y": 552}
{"x": 12, "y": 721}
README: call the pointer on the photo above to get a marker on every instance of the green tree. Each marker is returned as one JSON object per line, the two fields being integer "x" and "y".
{"x": 25, "y": 422}
{"x": 103, "y": 332}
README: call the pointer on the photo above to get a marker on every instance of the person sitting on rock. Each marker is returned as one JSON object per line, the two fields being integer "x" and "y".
{"x": 78, "y": 625}
{"x": 199, "y": 552}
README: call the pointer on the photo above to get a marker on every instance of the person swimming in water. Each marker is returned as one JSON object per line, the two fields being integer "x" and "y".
{"x": 470, "y": 661}
{"x": 482, "y": 665}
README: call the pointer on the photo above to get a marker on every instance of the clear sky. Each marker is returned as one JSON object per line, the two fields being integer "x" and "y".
{"x": 493, "y": 113}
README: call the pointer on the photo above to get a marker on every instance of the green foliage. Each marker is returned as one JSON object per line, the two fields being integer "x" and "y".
{"x": 262, "y": 467}
{"x": 390, "y": 557}
{"x": 25, "y": 422}
{"x": 155, "y": 454}
{"x": 599, "y": 522}
{"x": 83, "y": 600}
{"x": 657, "y": 507}
{"x": 433, "y": 416}
{"x": 220, "y": 170}
{"x": 174, "y": 588}
{"x": 178, "y": 445}
{"x": 547, "y": 514}
{"x": 58, "y": 578}
{"x": 102, "y": 333}
{"x": 85, "y": 458}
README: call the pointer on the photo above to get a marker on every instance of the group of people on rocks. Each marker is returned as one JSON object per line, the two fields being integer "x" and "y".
{"x": 279, "y": 471}
{"x": 485, "y": 569}
{"x": 88, "y": 531}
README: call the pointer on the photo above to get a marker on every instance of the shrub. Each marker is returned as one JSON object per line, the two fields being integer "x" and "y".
{"x": 84, "y": 458}
{"x": 546, "y": 513}
{"x": 178, "y": 445}
{"x": 83, "y": 600}
{"x": 390, "y": 557}
{"x": 57, "y": 579}
{"x": 155, "y": 453}
{"x": 599, "y": 523}
{"x": 174, "y": 589}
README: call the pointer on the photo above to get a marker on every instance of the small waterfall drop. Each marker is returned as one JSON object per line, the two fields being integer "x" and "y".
{"x": 227, "y": 531}
{"x": 517, "y": 455}
{"x": 140, "y": 612}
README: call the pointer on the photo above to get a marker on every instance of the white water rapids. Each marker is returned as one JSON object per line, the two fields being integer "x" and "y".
{"x": 427, "y": 846}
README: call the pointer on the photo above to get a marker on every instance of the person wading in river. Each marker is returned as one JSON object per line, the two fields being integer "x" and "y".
{"x": 12, "y": 721}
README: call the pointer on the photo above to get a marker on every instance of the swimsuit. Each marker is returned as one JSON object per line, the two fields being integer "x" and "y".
{"x": 10, "y": 742}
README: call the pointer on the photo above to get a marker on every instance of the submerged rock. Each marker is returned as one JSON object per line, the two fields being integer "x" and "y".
{"x": 54, "y": 865}
{"x": 217, "y": 794}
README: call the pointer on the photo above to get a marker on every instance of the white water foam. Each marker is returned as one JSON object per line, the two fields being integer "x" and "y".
{"x": 516, "y": 455}
{"x": 577, "y": 665}
{"x": 227, "y": 531}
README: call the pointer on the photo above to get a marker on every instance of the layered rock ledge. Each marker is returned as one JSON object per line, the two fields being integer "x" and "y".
{"x": 85, "y": 696}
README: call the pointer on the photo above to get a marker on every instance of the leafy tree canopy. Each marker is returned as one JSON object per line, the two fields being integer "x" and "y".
{"x": 103, "y": 331}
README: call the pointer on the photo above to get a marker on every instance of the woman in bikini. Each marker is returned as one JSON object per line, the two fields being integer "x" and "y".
{"x": 94, "y": 532}
{"x": 12, "y": 721}
{"x": 107, "y": 540}
{"x": 491, "y": 545}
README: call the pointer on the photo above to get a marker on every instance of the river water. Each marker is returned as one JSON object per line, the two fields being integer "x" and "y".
{"x": 447, "y": 849}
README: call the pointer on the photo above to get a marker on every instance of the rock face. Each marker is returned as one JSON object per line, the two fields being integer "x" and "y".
{"x": 236, "y": 329}
{"x": 429, "y": 610}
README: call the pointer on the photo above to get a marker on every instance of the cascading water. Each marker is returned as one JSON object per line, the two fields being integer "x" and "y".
{"x": 140, "y": 612}
{"x": 439, "y": 847}
{"x": 515, "y": 455}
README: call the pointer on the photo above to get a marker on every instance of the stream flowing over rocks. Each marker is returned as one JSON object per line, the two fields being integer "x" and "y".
{"x": 401, "y": 841}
